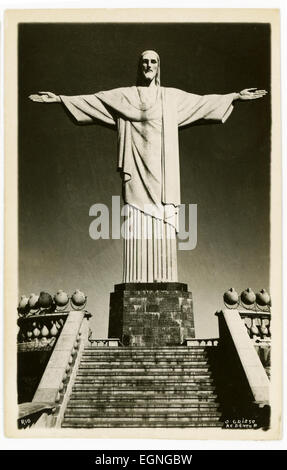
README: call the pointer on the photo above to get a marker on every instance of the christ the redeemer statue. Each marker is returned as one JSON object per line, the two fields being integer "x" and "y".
{"x": 147, "y": 117}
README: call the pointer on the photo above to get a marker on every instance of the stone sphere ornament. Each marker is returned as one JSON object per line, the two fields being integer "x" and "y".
{"x": 78, "y": 298}
{"x": 33, "y": 301}
{"x": 45, "y": 300}
{"x": 248, "y": 297}
{"x": 61, "y": 298}
{"x": 263, "y": 298}
{"x": 230, "y": 297}
{"x": 23, "y": 304}
{"x": 64, "y": 377}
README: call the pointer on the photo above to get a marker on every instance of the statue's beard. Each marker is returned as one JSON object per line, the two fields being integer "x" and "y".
{"x": 148, "y": 77}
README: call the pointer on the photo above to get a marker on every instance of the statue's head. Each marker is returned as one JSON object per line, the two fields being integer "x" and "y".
{"x": 149, "y": 68}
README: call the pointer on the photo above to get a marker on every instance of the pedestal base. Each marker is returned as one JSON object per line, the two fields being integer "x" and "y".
{"x": 151, "y": 314}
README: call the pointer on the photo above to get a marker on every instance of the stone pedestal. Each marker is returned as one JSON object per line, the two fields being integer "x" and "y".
{"x": 151, "y": 314}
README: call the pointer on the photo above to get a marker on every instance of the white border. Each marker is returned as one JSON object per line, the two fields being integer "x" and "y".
{"x": 95, "y": 444}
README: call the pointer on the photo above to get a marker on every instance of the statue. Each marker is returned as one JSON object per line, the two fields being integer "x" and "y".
{"x": 147, "y": 117}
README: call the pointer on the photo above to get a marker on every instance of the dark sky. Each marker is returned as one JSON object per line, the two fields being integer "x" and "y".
{"x": 65, "y": 168}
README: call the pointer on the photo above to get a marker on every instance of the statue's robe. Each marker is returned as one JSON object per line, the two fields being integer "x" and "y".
{"x": 148, "y": 157}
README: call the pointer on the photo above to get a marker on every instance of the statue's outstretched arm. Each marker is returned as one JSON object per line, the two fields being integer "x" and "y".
{"x": 86, "y": 109}
{"x": 249, "y": 94}
{"x": 192, "y": 108}
{"x": 45, "y": 97}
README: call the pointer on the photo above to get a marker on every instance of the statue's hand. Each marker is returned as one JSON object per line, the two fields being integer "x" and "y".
{"x": 45, "y": 97}
{"x": 251, "y": 94}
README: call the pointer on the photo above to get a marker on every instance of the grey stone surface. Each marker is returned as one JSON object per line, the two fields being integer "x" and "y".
{"x": 254, "y": 371}
{"x": 56, "y": 367}
{"x": 151, "y": 314}
{"x": 143, "y": 387}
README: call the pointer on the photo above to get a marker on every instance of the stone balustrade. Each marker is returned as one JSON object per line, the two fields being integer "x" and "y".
{"x": 263, "y": 349}
{"x": 236, "y": 341}
{"x": 55, "y": 385}
{"x": 67, "y": 382}
{"x": 39, "y": 332}
{"x": 201, "y": 342}
{"x": 42, "y": 317}
{"x": 255, "y": 311}
{"x": 258, "y": 324}
{"x": 100, "y": 342}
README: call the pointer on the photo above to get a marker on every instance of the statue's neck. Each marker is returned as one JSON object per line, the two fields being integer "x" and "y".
{"x": 151, "y": 84}
{"x": 148, "y": 96}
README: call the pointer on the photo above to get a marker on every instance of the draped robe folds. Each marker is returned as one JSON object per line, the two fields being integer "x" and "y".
{"x": 148, "y": 158}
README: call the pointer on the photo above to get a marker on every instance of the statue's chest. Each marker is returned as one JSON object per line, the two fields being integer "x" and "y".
{"x": 148, "y": 97}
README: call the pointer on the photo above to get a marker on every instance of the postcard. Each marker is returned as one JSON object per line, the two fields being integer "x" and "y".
{"x": 143, "y": 224}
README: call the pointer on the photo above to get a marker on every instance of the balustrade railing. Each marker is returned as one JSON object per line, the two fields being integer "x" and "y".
{"x": 240, "y": 343}
{"x": 58, "y": 324}
{"x": 201, "y": 342}
{"x": 106, "y": 342}
{"x": 258, "y": 325}
{"x": 65, "y": 387}
{"x": 41, "y": 318}
{"x": 39, "y": 331}
{"x": 255, "y": 312}
{"x": 56, "y": 383}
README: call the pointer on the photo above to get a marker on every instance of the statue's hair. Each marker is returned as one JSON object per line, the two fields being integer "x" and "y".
{"x": 140, "y": 74}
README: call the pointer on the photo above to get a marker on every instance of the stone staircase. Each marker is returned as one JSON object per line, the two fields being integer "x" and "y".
{"x": 143, "y": 387}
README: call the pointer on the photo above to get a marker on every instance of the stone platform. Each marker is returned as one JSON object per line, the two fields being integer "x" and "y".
{"x": 151, "y": 314}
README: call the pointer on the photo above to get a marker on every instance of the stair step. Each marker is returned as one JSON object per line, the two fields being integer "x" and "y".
{"x": 179, "y": 374}
{"x": 198, "y": 421}
{"x": 148, "y": 379}
{"x": 143, "y": 380}
{"x": 142, "y": 368}
{"x": 142, "y": 387}
{"x": 140, "y": 394}
{"x": 141, "y": 404}
{"x": 159, "y": 355}
{"x": 143, "y": 392}
{"x": 74, "y": 423}
{"x": 147, "y": 359}
{"x": 141, "y": 413}
{"x": 148, "y": 383}
{"x": 151, "y": 401}
{"x": 127, "y": 350}
{"x": 141, "y": 400}
{"x": 141, "y": 363}
{"x": 147, "y": 348}
{"x": 139, "y": 352}
{"x": 144, "y": 383}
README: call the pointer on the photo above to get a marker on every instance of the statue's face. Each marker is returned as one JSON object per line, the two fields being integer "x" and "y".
{"x": 149, "y": 63}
